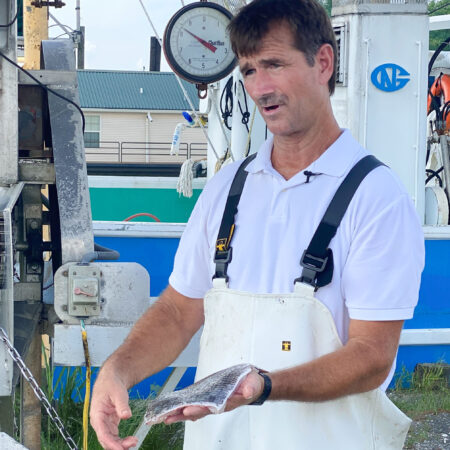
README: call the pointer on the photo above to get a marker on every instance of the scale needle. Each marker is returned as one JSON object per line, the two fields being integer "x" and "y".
{"x": 202, "y": 41}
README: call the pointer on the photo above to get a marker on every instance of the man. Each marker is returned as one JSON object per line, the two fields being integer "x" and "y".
{"x": 327, "y": 346}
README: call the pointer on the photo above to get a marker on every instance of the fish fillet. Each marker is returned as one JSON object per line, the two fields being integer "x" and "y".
{"x": 211, "y": 392}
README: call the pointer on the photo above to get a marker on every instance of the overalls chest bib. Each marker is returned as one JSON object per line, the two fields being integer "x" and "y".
{"x": 277, "y": 331}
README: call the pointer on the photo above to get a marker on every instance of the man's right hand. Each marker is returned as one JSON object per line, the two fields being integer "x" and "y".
{"x": 156, "y": 339}
{"x": 108, "y": 407}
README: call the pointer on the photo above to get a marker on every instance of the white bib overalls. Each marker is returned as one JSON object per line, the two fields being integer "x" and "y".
{"x": 275, "y": 332}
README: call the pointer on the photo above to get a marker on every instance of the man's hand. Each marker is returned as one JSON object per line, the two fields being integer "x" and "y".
{"x": 109, "y": 406}
{"x": 247, "y": 392}
{"x": 156, "y": 339}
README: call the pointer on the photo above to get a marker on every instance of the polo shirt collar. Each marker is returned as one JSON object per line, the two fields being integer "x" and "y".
{"x": 335, "y": 161}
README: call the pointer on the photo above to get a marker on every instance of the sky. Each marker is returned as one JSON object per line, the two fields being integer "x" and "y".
{"x": 117, "y": 32}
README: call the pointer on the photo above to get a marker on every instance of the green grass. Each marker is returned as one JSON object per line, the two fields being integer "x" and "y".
{"x": 422, "y": 392}
{"x": 418, "y": 395}
{"x": 64, "y": 393}
{"x": 160, "y": 437}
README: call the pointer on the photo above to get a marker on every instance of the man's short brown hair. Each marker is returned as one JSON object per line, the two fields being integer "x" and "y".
{"x": 307, "y": 19}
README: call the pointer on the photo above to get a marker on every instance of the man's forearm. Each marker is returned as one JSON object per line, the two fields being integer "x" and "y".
{"x": 157, "y": 338}
{"x": 361, "y": 365}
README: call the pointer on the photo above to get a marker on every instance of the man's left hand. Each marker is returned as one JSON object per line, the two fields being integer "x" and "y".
{"x": 248, "y": 391}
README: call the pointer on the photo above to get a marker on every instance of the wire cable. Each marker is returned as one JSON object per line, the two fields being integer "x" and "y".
{"x": 59, "y": 35}
{"x": 87, "y": 394}
{"x": 12, "y": 21}
{"x": 436, "y": 54}
{"x": 186, "y": 95}
{"x": 140, "y": 215}
{"x": 246, "y": 117}
{"x": 252, "y": 121}
{"x": 46, "y": 88}
{"x": 59, "y": 25}
{"x": 245, "y": 114}
{"x": 221, "y": 120}
{"x": 440, "y": 7}
{"x": 433, "y": 174}
{"x": 226, "y": 102}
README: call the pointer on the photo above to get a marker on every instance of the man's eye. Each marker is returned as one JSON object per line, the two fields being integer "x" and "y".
{"x": 248, "y": 72}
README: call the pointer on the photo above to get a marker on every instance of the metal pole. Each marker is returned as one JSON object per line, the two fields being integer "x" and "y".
{"x": 30, "y": 428}
{"x": 77, "y": 9}
{"x": 8, "y": 99}
{"x": 80, "y": 55}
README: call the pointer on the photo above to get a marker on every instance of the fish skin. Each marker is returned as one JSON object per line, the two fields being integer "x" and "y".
{"x": 211, "y": 392}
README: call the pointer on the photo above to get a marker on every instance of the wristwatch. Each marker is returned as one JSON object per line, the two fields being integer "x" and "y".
{"x": 266, "y": 390}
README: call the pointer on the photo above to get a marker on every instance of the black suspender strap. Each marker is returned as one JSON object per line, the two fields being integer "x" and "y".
{"x": 317, "y": 259}
{"x": 223, "y": 250}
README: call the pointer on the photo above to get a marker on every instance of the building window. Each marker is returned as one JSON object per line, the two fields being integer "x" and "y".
{"x": 92, "y": 132}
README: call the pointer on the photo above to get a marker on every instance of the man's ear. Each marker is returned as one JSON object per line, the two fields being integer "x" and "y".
{"x": 325, "y": 61}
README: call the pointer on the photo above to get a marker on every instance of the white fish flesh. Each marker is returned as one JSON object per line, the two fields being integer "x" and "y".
{"x": 211, "y": 392}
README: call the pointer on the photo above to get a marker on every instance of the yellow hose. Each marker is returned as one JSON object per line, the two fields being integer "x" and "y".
{"x": 88, "y": 386}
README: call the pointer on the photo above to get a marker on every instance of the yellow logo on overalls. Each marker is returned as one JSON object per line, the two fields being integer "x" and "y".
{"x": 286, "y": 346}
{"x": 221, "y": 245}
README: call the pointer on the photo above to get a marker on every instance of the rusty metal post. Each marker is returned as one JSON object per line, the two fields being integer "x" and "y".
{"x": 30, "y": 427}
{"x": 35, "y": 30}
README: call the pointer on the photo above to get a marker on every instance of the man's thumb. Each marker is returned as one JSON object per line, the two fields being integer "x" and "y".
{"x": 249, "y": 391}
{"x": 122, "y": 408}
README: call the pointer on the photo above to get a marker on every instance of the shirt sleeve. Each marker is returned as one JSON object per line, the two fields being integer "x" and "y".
{"x": 381, "y": 276}
{"x": 191, "y": 275}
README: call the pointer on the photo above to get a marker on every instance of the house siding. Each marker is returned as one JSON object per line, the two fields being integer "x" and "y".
{"x": 128, "y": 129}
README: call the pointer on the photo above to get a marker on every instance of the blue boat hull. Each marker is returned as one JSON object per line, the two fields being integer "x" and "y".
{"x": 433, "y": 310}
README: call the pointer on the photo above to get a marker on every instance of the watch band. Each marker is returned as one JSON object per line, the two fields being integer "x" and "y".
{"x": 266, "y": 390}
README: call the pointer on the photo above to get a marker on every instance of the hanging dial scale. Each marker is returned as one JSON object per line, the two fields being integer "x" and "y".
{"x": 196, "y": 43}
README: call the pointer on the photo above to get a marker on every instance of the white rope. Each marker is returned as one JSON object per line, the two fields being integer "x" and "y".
{"x": 151, "y": 23}
{"x": 221, "y": 121}
{"x": 186, "y": 95}
{"x": 184, "y": 185}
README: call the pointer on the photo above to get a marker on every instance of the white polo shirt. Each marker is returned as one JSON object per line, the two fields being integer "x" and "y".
{"x": 378, "y": 249}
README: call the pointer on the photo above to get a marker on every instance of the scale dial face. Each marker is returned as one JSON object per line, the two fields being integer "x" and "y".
{"x": 196, "y": 43}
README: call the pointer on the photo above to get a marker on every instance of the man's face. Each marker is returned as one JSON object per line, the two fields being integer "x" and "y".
{"x": 289, "y": 92}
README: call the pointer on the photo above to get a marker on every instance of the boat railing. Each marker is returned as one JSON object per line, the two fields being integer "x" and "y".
{"x": 143, "y": 152}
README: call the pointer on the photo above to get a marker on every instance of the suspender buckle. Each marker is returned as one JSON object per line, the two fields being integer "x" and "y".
{"x": 312, "y": 265}
{"x": 313, "y": 262}
{"x": 222, "y": 258}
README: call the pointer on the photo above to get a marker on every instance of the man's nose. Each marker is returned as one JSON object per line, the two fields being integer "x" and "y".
{"x": 261, "y": 85}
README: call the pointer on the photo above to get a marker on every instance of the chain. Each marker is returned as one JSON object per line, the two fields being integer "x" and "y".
{"x": 37, "y": 390}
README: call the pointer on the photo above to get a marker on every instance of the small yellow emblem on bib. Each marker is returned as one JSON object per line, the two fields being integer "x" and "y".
{"x": 286, "y": 346}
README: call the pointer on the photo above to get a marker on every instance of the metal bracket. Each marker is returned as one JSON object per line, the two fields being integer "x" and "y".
{"x": 41, "y": 4}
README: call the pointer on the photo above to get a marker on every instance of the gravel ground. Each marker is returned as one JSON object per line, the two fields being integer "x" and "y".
{"x": 430, "y": 432}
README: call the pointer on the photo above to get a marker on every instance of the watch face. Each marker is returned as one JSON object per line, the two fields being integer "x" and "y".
{"x": 196, "y": 43}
